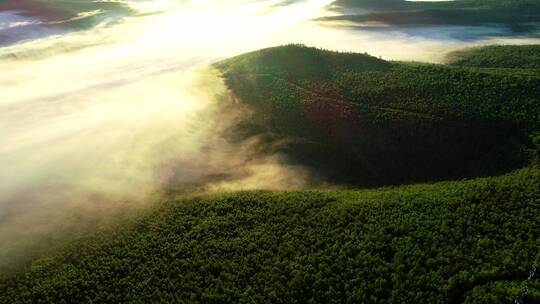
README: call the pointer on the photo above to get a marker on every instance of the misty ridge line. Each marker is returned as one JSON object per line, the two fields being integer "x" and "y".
{"x": 100, "y": 128}
{"x": 222, "y": 162}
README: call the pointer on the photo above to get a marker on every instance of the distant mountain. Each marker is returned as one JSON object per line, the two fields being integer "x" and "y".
{"x": 519, "y": 15}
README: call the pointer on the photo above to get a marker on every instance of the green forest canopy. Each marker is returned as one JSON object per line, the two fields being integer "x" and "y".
{"x": 372, "y": 122}
{"x": 463, "y": 241}
{"x": 499, "y": 56}
{"x": 452, "y": 242}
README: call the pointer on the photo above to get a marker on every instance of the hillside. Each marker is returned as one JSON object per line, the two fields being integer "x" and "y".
{"x": 453, "y": 242}
{"x": 499, "y": 56}
{"x": 369, "y": 122}
{"x": 358, "y": 121}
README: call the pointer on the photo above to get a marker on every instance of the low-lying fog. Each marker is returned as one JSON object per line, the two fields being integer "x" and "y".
{"x": 105, "y": 116}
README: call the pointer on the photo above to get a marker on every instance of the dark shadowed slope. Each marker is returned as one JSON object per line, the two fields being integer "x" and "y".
{"x": 518, "y": 15}
{"x": 369, "y": 122}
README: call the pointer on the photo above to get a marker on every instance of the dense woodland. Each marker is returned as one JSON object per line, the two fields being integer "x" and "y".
{"x": 499, "y": 56}
{"x": 452, "y": 242}
{"x": 465, "y": 241}
{"x": 370, "y": 122}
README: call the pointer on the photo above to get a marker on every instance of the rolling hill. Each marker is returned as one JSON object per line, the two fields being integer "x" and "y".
{"x": 366, "y": 122}
{"x": 499, "y": 56}
{"x": 451, "y": 242}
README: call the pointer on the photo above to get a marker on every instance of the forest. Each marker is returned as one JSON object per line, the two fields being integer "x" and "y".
{"x": 452, "y": 242}
{"x": 464, "y": 136}
{"x": 498, "y": 56}
{"x": 370, "y": 122}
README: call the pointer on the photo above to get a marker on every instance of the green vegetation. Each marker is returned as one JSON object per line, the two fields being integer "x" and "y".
{"x": 357, "y": 119}
{"x": 369, "y": 122}
{"x": 518, "y": 14}
{"x": 452, "y": 242}
{"x": 499, "y": 56}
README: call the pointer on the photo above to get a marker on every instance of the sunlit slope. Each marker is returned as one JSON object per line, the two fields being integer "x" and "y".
{"x": 518, "y": 14}
{"x": 370, "y": 122}
{"x": 472, "y": 241}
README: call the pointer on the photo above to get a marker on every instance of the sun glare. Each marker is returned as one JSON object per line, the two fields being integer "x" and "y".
{"x": 215, "y": 22}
